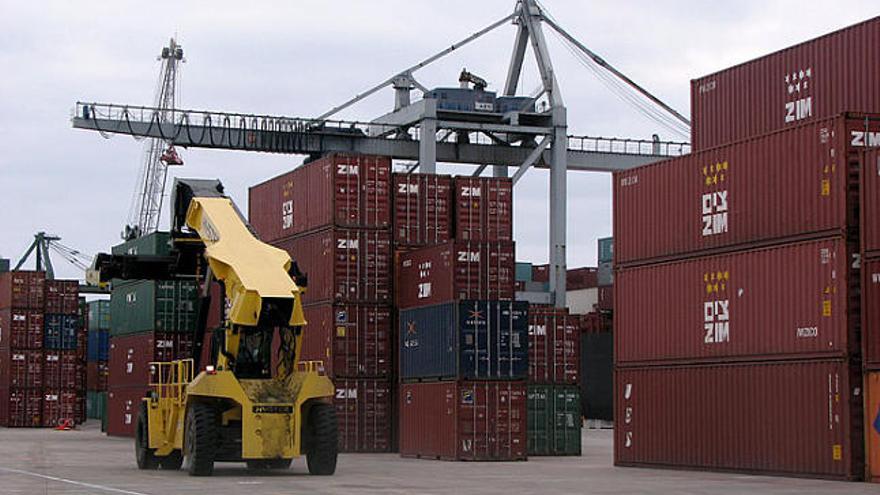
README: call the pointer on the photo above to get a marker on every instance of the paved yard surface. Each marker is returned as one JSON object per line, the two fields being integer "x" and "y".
{"x": 86, "y": 462}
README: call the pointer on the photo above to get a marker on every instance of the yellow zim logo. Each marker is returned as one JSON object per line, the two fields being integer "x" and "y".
{"x": 715, "y": 173}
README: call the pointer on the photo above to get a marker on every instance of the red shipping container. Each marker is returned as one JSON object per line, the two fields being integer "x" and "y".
{"x": 21, "y": 329}
{"x": 582, "y": 278}
{"x": 344, "y": 265}
{"x": 796, "y": 418}
{"x": 468, "y": 421}
{"x": 22, "y": 290}
{"x": 336, "y": 190}
{"x": 483, "y": 209}
{"x": 606, "y": 298}
{"x": 60, "y": 405}
{"x": 123, "y": 405}
{"x": 20, "y": 407}
{"x": 62, "y": 296}
{"x": 97, "y": 373}
{"x": 353, "y": 340}
{"x": 63, "y": 370}
{"x": 811, "y": 81}
{"x": 131, "y": 355}
{"x": 554, "y": 346}
{"x": 871, "y": 313}
{"x": 364, "y": 412}
{"x": 870, "y": 211}
{"x": 422, "y": 209}
{"x": 21, "y": 368}
{"x": 872, "y": 431}
{"x": 540, "y": 273}
{"x": 457, "y": 270}
{"x": 789, "y": 301}
{"x": 798, "y": 182}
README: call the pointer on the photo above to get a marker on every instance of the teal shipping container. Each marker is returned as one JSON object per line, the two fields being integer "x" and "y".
{"x": 161, "y": 306}
{"x": 554, "y": 420}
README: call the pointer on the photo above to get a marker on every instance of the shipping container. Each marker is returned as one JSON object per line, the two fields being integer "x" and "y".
{"x": 792, "y": 418}
{"x": 554, "y": 346}
{"x": 96, "y": 404}
{"x": 353, "y": 340}
{"x": 582, "y": 278}
{"x": 22, "y": 289}
{"x": 872, "y": 426}
{"x": 483, "y": 208}
{"x": 541, "y": 273}
{"x": 422, "y": 209}
{"x": 469, "y": 339}
{"x": 606, "y": 250}
{"x": 123, "y": 404}
{"x": 61, "y": 296}
{"x": 871, "y": 313}
{"x": 364, "y": 412}
{"x": 597, "y": 375}
{"x": 99, "y": 314}
{"x": 344, "y": 265}
{"x": 457, "y": 270}
{"x": 21, "y": 407}
{"x": 148, "y": 305}
{"x": 98, "y": 345}
{"x": 60, "y": 406}
{"x": 21, "y": 368}
{"x": 807, "y": 82}
{"x": 63, "y": 370}
{"x": 554, "y": 420}
{"x": 156, "y": 243}
{"x": 870, "y": 193}
{"x": 21, "y": 329}
{"x": 523, "y": 272}
{"x": 337, "y": 190}
{"x": 790, "y": 301}
{"x": 606, "y": 273}
{"x": 605, "y": 299}
{"x": 468, "y": 421}
{"x": 131, "y": 355}
{"x": 799, "y": 182}
{"x": 61, "y": 332}
{"x": 97, "y": 373}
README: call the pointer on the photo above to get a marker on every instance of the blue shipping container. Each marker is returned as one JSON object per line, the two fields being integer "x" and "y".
{"x": 483, "y": 340}
{"x": 60, "y": 332}
{"x": 99, "y": 345}
{"x": 523, "y": 272}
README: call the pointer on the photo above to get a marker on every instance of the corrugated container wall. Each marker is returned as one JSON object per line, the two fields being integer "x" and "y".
{"x": 797, "y": 418}
{"x": 158, "y": 243}
{"x": 468, "y": 339}
{"x": 365, "y": 413}
{"x": 870, "y": 212}
{"x": 130, "y": 355}
{"x": 791, "y": 183}
{"x": 606, "y": 250}
{"x": 871, "y": 313}
{"x": 554, "y": 346}
{"x": 476, "y": 421}
{"x": 789, "y": 301}
{"x": 22, "y": 290}
{"x": 122, "y": 409}
{"x": 554, "y": 420}
{"x": 457, "y": 270}
{"x": 99, "y": 314}
{"x": 483, "y": 209}
{"x": 872, "y": 429}
{"x": 147, "y": 305}
{"x": 345, "y": 265}
{"x": 336, "y": 190}
{"x": 811, "y": 81}
{"x": 422, "y": 209}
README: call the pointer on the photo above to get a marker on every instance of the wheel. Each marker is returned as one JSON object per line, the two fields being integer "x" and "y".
{"x": 172, "y": 461}
{"x": 146, "y": 457}
{"x": 200, "y": 439}
{"x": 263, "y": 464}
{"x": 322, "y": 434}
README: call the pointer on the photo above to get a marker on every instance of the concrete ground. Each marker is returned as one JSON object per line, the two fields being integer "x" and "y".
{"x": 86, "y": 462}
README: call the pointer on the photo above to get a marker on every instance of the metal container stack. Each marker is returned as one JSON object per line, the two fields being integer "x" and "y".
{"x": 42, "y": 351}
{"x": 738, "y": 272}
{"x": 98, "y": 357}
{"x": 151, "y": 321}
{"x": 333, "y": 215}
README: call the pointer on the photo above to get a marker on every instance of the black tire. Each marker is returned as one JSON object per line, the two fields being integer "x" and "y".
{"x": 146, "y": 457}
{"x": 264, "y": 464}
{"x": 322, "y": 434}
{"x": 172, "y": 461}
{"x": 200, "y": 439}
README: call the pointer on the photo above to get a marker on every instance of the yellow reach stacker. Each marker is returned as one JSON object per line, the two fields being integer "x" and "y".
{"x": 240, "y": 407}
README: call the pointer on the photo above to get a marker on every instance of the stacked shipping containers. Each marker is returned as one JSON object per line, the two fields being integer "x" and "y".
{"x": 42, "y": 361}
{"x": 98, "y": 356}
{"x": 737, "y": 296}
{"x": 333, "y": 216}
{"x": 463, "y": 353}
{"x": 870, "y": 237}
{"x": 151, "y": 321}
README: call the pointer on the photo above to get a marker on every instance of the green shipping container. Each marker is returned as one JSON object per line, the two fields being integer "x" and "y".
{"x": 161, "y": 306}
{"x": 96, "y": 404}
{"x": 158, "y": 243}
{"x": 523, "y": 272}
{"x": 99, "y": 315}
{"x": 554, "y": 420}
{"x": 606, "y": 250}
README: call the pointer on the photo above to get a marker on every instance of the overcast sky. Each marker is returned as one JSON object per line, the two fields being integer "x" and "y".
{"x": 302, "y": 58}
